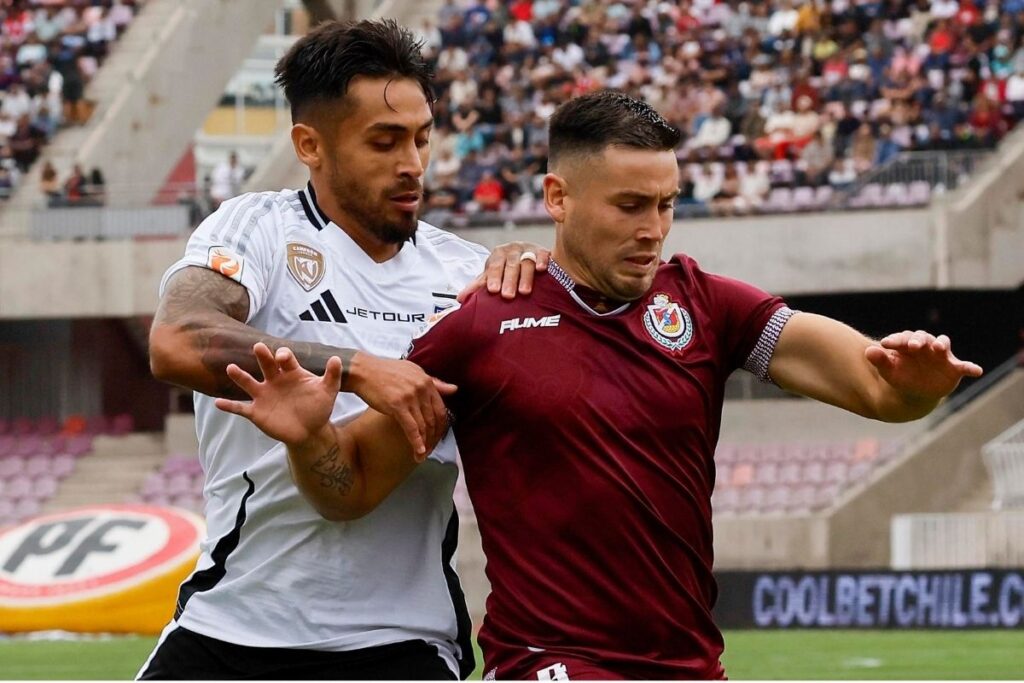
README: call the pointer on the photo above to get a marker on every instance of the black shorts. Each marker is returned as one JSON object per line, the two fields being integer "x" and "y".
{"x": 187, "y": 655}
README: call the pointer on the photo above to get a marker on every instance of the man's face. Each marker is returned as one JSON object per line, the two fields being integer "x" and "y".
{"x": 376, "y": 155}
{"x": 617, "y": 213}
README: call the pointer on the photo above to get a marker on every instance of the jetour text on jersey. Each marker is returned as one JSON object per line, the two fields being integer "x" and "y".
{"x": 387, "y": 316}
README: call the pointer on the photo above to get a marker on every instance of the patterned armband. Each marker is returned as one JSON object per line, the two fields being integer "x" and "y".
{"x": 757, "y": 361}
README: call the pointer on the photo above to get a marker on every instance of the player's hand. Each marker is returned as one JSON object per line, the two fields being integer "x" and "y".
{"x": 506, "y": 270}
{"x": 402, "y": 389}
{"x": 920, "y": 365}
{"x": 291, "y": 404}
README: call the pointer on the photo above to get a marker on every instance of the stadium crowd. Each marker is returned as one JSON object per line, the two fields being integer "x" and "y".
{"x": 806, "y": 94}
{"x": 49, "y": 50}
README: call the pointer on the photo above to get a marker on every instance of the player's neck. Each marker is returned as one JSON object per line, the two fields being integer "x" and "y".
{"x": 580, "y": 284}
{"x": 375, "y": 248}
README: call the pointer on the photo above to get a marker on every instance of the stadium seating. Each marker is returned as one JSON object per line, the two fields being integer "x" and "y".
{"x": 848, "y": 105}
{"x": 49, "y": 50}
{"x": 792, "y": 477}
{"x": 32, "y": 467}
{"x": 178, "y": 482}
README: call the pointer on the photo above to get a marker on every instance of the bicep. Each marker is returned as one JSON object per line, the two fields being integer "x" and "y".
{"x": 824, "y": 359}
{"x": 198, "y": 290}
{"x": 195, "y": 301}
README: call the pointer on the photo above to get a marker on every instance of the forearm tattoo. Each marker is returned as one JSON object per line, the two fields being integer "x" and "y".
{"x": 333, "y": 474}
{"x": 212, "y": 310}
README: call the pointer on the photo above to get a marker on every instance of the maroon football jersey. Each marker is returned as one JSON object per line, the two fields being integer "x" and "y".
{"x": 587, "y": 441}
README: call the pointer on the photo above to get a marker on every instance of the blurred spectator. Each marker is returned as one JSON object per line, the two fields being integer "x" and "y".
{"x": 986, "y": 121}
{"x": 754, "y": 186}
{"x": 724, "y": 201}
{"x": 843, "y": 174}
{"x": 25, "y": 142}
{"x": 6, "y": 184}
{"x": 75, "y": 186}
{"x": 226, "y": 180}
{"x": 784, "y": 19}
{"x": 1015, "y": 90}
{"x": 714, "y": 130}
{"x": 821, "y": 90}
{"x": 96, "y": 189}
{"x": 886, "y": 148}
{"x": 48, "y": 51}
{"x": 489, "y": 192}
{"x": 706, "y": 184}
{"x": 862, "y": 148}
{"x": 815, "y": 160}
{"x": 49, "y": 183}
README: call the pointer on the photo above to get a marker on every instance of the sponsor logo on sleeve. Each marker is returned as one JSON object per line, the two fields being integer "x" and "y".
{"x": 668, "y": 323}
{"x": 226, "y": 262}
{"x": 306, "y": 265}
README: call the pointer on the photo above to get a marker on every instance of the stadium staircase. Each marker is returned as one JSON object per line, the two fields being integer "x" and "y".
{"x": 150, "y": 96}
{"x": 112, "y": 473}
{"x": 939, "y": 469}
{"x": 279, "y": 168}
{"x": 983, "y": 222}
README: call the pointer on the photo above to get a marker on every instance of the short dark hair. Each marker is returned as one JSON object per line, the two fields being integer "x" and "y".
{"x": 589, "y": 123}
{"x": 320, "y": 66}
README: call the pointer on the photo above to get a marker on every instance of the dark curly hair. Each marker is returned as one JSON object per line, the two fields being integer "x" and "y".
{"x": 320, "y": 66}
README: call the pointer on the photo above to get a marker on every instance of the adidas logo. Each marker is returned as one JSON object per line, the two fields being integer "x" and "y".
{"x": 325, "y": 309}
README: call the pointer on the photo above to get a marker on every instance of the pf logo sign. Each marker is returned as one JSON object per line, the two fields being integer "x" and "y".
{"x": 113, "y": 568}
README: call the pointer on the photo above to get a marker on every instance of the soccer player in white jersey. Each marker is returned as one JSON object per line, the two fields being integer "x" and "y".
{"x": 339, "y": 268}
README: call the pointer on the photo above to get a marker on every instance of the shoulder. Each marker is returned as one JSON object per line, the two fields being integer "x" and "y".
{"x": 256, "y": 207}
{"x": 263, "y": 212}
{"x": 681, "y": 268}
{"x": 698, "y": 286}
{"x": 449, "y": 246}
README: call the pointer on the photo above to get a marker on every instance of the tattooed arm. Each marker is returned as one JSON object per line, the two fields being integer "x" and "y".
{"x": 199, "y": 330}
{"x": 344, "y": 471}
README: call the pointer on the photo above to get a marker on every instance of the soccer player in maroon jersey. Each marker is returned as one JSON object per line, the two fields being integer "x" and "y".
{"x": 587, "y": 414}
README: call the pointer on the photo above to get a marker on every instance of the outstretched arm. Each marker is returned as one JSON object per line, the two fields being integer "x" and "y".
{"x": 199, "y": 330}
{"x": 898, "y": 379}
{"x": 344, "y": 471}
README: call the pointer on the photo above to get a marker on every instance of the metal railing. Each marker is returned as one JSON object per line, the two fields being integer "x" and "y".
{"x": 943, "y": 171}
{"x": 1004, "y": 458}
{"x": 115, "y": 212}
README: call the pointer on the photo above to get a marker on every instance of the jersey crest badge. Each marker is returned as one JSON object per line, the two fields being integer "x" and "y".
{"x": 306, "y": 265}
{"x": 668, "y": 323}
{"x": 226, "y": 262}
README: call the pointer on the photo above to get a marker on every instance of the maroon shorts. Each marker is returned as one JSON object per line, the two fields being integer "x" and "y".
{"x": 543, "y": 666}
{"x": 526, "y": 665}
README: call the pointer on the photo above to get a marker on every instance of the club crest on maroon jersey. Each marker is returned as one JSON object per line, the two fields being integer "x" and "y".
{"x": 668, "y": 323}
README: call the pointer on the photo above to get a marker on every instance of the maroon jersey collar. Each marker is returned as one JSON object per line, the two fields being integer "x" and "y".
{"x": 589, "y": 299}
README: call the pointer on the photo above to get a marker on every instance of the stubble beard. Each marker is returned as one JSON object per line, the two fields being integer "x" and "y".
{"x": 605, "y": 281}
{"x": 357, "y": 202}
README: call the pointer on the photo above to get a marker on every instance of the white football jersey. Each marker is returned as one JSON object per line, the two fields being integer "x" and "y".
{"x": 272, "y": 572}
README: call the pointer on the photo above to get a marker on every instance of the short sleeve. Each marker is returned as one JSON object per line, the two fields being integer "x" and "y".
{"x": 236, "y": 241}
{"x": 752, "y": 321}
{"x": 446, "y": 349}
{"x": 443, "y": 351}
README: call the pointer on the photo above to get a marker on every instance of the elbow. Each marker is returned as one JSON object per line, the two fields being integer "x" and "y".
{"x": 349, "y": 512}
{"x": 165, "y": 354}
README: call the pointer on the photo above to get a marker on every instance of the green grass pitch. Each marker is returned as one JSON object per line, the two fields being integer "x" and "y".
{"x": 749, "y": 655}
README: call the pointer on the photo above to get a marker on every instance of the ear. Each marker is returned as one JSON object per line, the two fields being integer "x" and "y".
{"x": 555, "y": 196}
{"x": 308, "y": 145}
